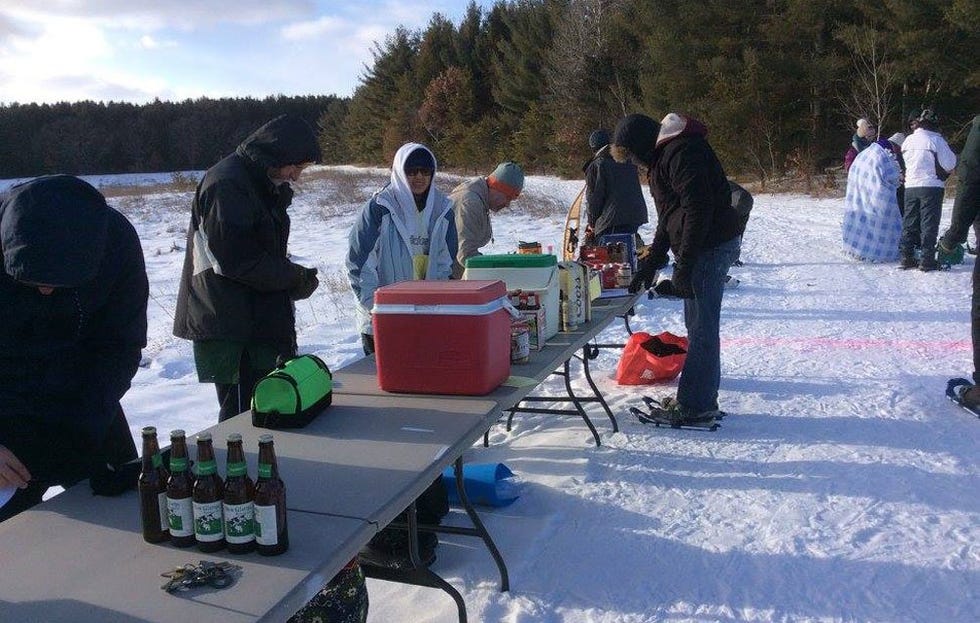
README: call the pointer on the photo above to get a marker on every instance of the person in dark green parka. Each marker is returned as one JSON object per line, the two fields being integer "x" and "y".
{"x": 235, "y": 300}
{"x": 966, "y": 212}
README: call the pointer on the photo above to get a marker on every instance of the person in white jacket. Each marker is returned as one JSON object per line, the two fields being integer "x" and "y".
{"x": 928, "y": 162}
{"x": 407, "y": 230}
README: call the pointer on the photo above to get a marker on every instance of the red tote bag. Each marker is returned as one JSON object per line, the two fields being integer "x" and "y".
{"x": 651, "y": 358}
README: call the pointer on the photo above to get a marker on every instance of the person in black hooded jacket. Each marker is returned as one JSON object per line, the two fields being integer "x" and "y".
{"x": 73, "y": 294}
{"x": 238, "y": 285}
{"x": 699, "y": 225}
{"x": 612, "y": 192}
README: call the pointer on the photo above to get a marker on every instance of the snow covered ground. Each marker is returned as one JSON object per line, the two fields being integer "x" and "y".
{"x": 842, "y": 487}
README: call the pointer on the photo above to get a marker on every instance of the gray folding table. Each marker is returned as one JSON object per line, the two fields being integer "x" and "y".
{"x": 369, "y": 457}
{"x": 78, "y": 558}
{"x": 361, "y": 377}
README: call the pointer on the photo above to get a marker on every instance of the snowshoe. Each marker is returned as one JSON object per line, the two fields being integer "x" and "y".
{"x": 956, "y": 390}
{"x": 666, "y": 403}
{"x": 659, "y": 417}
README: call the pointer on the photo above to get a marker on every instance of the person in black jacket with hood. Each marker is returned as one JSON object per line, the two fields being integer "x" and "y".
{"x": 238, "y": 286}
{"x": 698, "y": 223}
{"x": 73, "y": 293}
{"x": 612, "y": 192}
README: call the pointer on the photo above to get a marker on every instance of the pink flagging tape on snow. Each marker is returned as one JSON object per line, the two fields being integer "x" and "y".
{"x": 848, "y": 343}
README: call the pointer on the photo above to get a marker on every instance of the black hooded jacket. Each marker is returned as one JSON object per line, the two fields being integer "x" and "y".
{"x": 692, "y": 195}
{"x": 236, "y": 277}
{"x": 966, "y": 207}
{"x": 66, "y": 358}
{"x": 613, "y": 193}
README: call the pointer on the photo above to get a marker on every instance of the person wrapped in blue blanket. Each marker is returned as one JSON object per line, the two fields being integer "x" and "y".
{"x": 872, "y": 224}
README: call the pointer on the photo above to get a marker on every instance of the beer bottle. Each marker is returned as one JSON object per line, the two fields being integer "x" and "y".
{"x": 207, "y": 496}
{"x": 271, "y": 533}
{"x": 153, "y": 490}
{"x": 180, "y": 508}
{"x": 239, "y": 494}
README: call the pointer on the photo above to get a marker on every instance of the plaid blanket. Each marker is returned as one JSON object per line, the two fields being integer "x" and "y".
{"x": 872, "y": 223}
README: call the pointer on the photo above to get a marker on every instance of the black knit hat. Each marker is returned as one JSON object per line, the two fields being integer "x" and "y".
{"x": 599, "y": 139}
{"x": 637, "y": 133}
{"x": 420, "y": 158}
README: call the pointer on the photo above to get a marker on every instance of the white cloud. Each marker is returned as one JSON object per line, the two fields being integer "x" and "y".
{"x": 151, "y": 15}
{"x": 148, "y": 42}
{"x": 64, "y": 50}
{"x": 326, "y": 25}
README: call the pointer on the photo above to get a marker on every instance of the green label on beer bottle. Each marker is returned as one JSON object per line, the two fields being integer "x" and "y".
{"x": 180, "y": 516}
{"x": 157, "y": 460}
{"x": 239, "y": 526}
{"x": 178, "y": 465}
{"x": 208, "y": 521}
{"x": 206, "y": 468}
{"x": 265, "y": 470}
{"x": 236, "y": 469}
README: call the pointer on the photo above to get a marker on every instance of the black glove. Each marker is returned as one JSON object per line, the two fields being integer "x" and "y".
{"x": 307, "y": 285}
{"x": 113, "y": 480}
{"x": 664, "y": 289}
{"x": 589, "y": 239}
{"x": 645, "y": 275}
{"x": 681, "y": 282}
{"x": 945, "y": 245}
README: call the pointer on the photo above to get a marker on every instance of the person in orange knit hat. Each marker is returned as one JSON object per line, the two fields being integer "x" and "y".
{"x": 473, "y": 202}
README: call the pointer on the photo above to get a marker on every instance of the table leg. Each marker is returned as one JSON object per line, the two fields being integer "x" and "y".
{"x": 571, "y": 397}
{"x": 418, "y": 574}
{"x": 417, "y": 577}
{"x": 587, "y": 354}
{"x": 481, "y": 530}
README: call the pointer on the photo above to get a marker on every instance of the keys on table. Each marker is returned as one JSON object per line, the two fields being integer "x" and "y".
{"x": 213, "y": 574}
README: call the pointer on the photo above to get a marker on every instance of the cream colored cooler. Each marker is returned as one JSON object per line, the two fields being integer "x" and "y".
{"x": 528, "y": 272}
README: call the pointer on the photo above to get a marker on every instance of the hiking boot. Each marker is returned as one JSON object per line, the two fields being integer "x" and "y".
{"x": 970, "y": 396}
{"x": 908, "y": 262}
{"x": 928, "y": 265}
{"x": 679, "y": 414}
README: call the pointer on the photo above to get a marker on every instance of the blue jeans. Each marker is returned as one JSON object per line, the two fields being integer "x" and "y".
{"x": 698, "y": 388}
{"x": 920, "y": 223}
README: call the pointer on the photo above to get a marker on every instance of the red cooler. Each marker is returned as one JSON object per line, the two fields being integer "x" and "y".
{"x": 442, "y": 337}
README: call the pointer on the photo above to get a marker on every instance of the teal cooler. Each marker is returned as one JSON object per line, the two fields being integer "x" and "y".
{"x": 529, "y": 272}
{"x": 442, "y": 337}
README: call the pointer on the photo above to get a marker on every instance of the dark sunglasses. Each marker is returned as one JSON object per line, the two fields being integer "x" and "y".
{"x": 413, "y": 171}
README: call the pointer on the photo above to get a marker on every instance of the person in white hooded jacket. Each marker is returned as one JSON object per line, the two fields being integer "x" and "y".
{"x": 928, "y": 161}
{"x": 406, "y": 231}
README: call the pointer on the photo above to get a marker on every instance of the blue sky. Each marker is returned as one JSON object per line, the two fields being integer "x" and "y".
{"x": 138, "y": 50}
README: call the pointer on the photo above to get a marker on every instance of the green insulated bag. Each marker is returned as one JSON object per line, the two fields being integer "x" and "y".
{"x": 293, "y": 394}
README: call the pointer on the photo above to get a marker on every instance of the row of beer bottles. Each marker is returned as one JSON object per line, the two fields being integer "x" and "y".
{"x": 202, "y": 509}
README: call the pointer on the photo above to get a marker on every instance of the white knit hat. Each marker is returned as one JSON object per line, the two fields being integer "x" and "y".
{"x": 865, "y": 128}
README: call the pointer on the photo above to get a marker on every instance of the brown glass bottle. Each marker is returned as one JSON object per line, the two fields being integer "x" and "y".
{"x": 153, "y": 490}
{"x": 238, "y": 508}
{"x": 271, "y": 532}
{"x": 207, "y": 498}
{"x": 180, "y": 488}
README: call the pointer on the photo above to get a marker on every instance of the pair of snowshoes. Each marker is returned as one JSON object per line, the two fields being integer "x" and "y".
{"x": 667, "y": 412}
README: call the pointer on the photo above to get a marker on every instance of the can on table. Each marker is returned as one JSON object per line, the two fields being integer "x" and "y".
{"x": 520, "y": 341}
